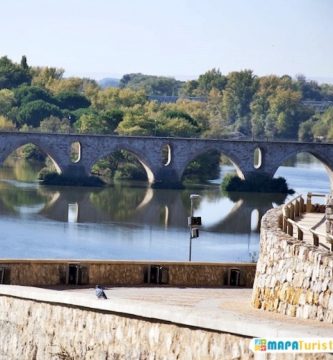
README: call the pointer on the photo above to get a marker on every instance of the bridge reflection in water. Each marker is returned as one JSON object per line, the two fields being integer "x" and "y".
{"x": 133, "y": 205}
{"x": 133, "y": 218}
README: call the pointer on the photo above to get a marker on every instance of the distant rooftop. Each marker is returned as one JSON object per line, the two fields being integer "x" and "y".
{"x": 319, "y": 106}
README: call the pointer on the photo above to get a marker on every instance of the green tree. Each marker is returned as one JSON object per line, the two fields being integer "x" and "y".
{"x": 45, "y": 76}
{"x": 25, "y": 94}
{"x": 189, "y": 89}
{"x": 151, "y": 85}
{"x": 326, "y": 91}
{"x": 112, "y": 118}
{"x": 305, "y": 130}
{"x": 135, "y": 122}
{"x": 323, "y": 127}
{"x": 12, "y": 75}
{"x": 287, "y": 112}
{"x": 113, "y": 98}
{"x": 277, "y": 110}
{"x": 262, "y": 123}
{"x": 104, "y": 123}
{"x": 24, "y": 63}
{"x": 7, "y": 101}
{"x": 212, "y": 79}
{"x": 72, "y": 100}
{"x": 310, "y": 90}
{"x": 237, "y": 97}
{"x": 34, "y": 112}
{"x": 53, "y": 124}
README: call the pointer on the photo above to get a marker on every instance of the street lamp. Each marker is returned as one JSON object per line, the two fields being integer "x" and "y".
{"x": 193, "y": 223}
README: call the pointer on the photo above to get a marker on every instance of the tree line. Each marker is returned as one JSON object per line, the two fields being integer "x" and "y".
{"x": 238, "y": 104}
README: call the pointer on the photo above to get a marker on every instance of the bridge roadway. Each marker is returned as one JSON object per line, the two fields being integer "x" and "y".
{"x": 149, "y": 151}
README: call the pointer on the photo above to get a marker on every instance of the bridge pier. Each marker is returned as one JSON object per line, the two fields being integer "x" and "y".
{"x": 250, "y": 174}
{"x": 75, "y": 171}
{"x": 166, "y": 178}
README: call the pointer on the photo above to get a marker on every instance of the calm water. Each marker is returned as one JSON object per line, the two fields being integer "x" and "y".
{"x": 135, "y": 222}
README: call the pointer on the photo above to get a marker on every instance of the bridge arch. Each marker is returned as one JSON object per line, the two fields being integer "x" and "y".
{"x": 214, "y": 150}
{"x": 12, "y": 147}
{"x": 318, "y": 155}
{"x": 138, "y": 156}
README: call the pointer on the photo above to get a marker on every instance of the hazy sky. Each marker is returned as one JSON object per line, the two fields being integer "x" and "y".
{"x": 180, "y": 38}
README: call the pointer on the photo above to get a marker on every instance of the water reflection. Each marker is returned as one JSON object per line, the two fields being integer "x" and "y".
{"x": 132, "y": 205}
{"x": 133, "y": 221}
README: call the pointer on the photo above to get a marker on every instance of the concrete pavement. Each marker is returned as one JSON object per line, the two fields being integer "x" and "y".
{"x": 225, "y": 309}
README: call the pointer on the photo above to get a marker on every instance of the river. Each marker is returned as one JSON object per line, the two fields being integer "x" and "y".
{"x": 129, "y": 221}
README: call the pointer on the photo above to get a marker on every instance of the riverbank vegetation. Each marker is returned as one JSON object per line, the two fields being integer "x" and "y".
{"x": 54, "y": 178}
{"x": 236, "y": 105}
{"x": 257, "y": 183}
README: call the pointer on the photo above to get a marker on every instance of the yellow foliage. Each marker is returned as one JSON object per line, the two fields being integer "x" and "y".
{"x": 6, "y": 124}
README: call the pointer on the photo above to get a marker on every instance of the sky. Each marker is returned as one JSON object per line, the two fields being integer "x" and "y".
{"x": 178, "y": 38}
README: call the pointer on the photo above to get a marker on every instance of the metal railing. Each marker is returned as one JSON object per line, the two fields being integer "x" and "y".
{"x": 294, "y": 209}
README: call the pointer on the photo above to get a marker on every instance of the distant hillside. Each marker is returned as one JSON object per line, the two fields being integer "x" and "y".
{"x": 108, "y": 82}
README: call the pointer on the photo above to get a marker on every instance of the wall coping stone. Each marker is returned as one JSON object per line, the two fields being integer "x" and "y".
{"x": 121, "y": 262}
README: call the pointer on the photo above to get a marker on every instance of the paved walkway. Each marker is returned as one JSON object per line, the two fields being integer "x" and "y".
{"x": 227, "y": 309}
{"x": 315, "y": 221}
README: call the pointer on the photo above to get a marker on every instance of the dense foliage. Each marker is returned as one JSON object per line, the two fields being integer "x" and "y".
{"x": 238, "y": 104}
{"x": 257, "y": 183}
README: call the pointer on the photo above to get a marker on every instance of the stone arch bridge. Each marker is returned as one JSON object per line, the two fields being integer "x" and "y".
{"x": 164, "y": 159}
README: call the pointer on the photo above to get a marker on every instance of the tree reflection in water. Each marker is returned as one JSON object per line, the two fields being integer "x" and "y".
{"x": 138, "y": 205}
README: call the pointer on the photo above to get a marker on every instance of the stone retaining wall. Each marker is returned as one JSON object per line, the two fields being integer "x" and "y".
{"x": 42, "y": 331}
{"x": 292, "y": 278}
{"x": 123, "y": 273}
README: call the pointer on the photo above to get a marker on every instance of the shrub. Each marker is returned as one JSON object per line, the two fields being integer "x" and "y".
{"x": 65, "y": 180}
{"x": 256, "y": 183}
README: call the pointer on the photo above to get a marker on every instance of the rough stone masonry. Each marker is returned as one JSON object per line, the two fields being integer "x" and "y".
{"x": 292, "y": 277}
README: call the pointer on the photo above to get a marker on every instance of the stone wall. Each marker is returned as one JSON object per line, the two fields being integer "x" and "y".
{"x": 292, "y": 278}
{"x": 123, "y": 273}
{"x": 45, "y": 330}
{"x": 41, "y": 331}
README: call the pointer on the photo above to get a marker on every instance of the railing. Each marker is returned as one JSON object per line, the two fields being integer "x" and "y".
{"x": 294, "y": 209}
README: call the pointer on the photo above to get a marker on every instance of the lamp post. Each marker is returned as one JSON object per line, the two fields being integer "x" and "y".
{"x": 193, "y": 222}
